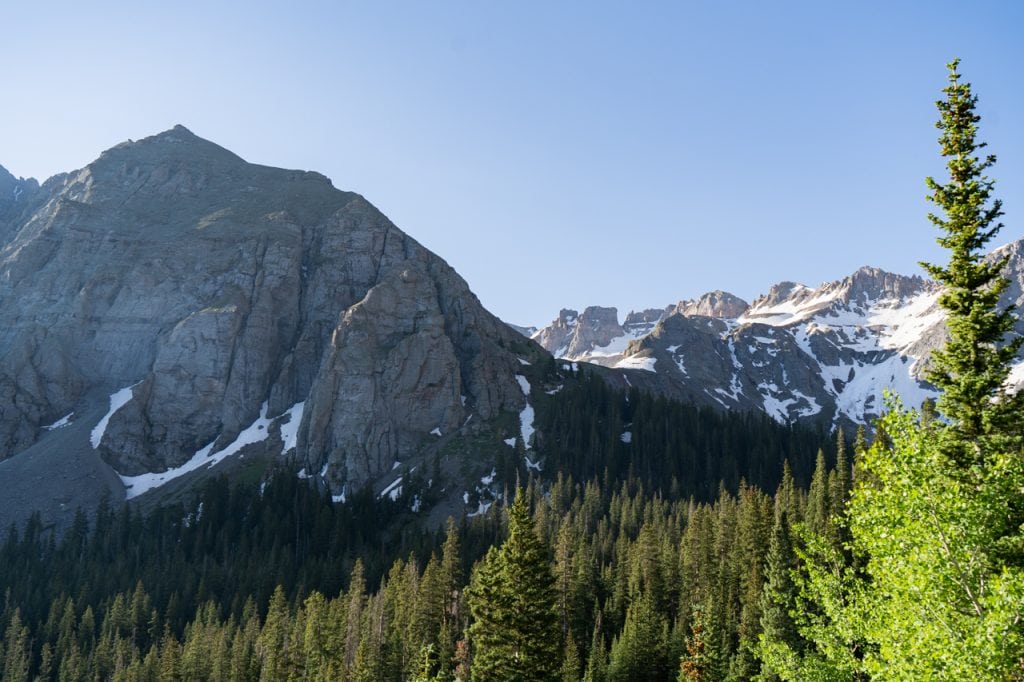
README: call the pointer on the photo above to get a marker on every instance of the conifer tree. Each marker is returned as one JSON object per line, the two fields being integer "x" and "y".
{"x": 639, "y": 653}
{"x": 936, "y": 582}
{"x": 971, "y": 370}
{"x": 780, "y": 639}
{"x": 571, "y": 661}
{"x": 16, "y": 650}
{"x": 817, "y": 515}
{"x": 272, "y": 638}
{"x": 515, "y": 632}
{"x": 701, "y": 661}
{"x": 597, "y": 664}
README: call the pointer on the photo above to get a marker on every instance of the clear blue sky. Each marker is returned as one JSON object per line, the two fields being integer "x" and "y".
{"x": 555, "y": 153}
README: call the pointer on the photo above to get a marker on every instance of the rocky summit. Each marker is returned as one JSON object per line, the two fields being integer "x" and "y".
{"x": 798, "y": 353}
{"x": 171, "y": 305}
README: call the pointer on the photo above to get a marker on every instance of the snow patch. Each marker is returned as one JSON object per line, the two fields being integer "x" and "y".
{"x": 489, "y": 478}
{"x": 481, "y": 508}
{"x": 637, "y": 362}
{"x": 530, "y": 464}
{"x": 393, "y": 490}
{"x": 63, "y": 421}
{"x": 1016, "y": 378}
{"x": 436, "y": 431}
{"x": 511, "y": 442}
{"x": 290, "y": 430}
{"x": 117, "y": 400}
{"x": 527, "y": 415}
{"x": 626, "y": 437}
{"x": 256, "y": 432}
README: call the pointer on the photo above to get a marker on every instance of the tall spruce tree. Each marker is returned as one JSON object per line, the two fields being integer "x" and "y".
{"x": 516, "y": 634}
{"x": 937, "y": 578}
{"x": 971, "y": 370}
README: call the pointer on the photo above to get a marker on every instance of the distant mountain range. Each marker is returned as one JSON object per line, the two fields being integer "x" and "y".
{"x": 822, "y": 354}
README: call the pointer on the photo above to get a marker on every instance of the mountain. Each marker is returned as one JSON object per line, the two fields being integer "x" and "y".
{"x": 821, "y": 355}
{"x": 170, "y": 306}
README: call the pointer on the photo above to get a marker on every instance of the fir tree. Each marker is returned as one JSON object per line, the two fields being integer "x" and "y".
{"x": 515, "y": 632}
{"x": 15, "y": 653}
{"x": 780, "y": 641}
{"x": 971, "y": 370}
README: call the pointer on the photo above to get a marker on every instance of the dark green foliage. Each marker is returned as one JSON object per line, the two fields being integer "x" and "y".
{"x": 679, "y": 449}
{"x": 643, "y": 581}
{"x": 516, "y": 633}
{"x": 972, "y": 368}
{"x": 282, "y": 583}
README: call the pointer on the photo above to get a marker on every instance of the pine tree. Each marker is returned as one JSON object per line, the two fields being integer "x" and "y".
{"x": 936, "y": 582}
{"x": 515, "y": 632}
{"x": 571, "y": 661}
{"x": 597, "y": 664}
{"x": 701, "y": 661}
{"x": 971, "y": 370}
{"x": 639, "y": 653}
{"x": 817, "y": 517}
{"x": 16, "y": 650}
{"x": 271, "y": 644}
{"x": 780, "y": 641}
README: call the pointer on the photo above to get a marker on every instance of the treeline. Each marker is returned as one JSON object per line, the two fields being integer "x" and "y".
{"x": 588, "y": 429}
{"x": 642, "y": 586}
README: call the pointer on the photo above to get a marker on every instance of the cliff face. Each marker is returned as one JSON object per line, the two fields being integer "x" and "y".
{"x": 220, "y": 296}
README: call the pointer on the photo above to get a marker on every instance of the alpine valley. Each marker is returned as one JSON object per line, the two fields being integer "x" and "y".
{"x": 171, "y": 311}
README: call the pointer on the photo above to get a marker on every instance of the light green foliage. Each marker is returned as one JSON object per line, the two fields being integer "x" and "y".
{"x": 925, "y": 578}
{"x": 938, "y": 607}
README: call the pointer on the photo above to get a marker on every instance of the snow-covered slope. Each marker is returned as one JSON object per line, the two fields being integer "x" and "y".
{"x": 798, "y": 353}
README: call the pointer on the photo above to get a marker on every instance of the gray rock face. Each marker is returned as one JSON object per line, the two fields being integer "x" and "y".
{"x": 574, "y": 335}
{"x": 717, "y": 303}
{"x": 596, "y": 336}
{"x": 525, "y": 331}
{"x": 215, "y": 286}
{"x": 17, "y": 197}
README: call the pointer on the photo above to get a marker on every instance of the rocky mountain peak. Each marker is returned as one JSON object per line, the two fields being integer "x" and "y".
{"x": 720, "y": 304}
{"x": 177, "y": 142}
{"x": 599, "y": 319}
{"x": 170, "y": 302}
{"x": 648, "y": 317}
{"x": 780, "y": 292}
{"x": 874, "y": 284}
{"x": 573, "y": 334}
{"x": 14, "y": 189}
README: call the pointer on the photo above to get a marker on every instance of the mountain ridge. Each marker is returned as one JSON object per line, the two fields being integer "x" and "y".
{"x": 798, "y": 353}
{"x": 192, "y": 306}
